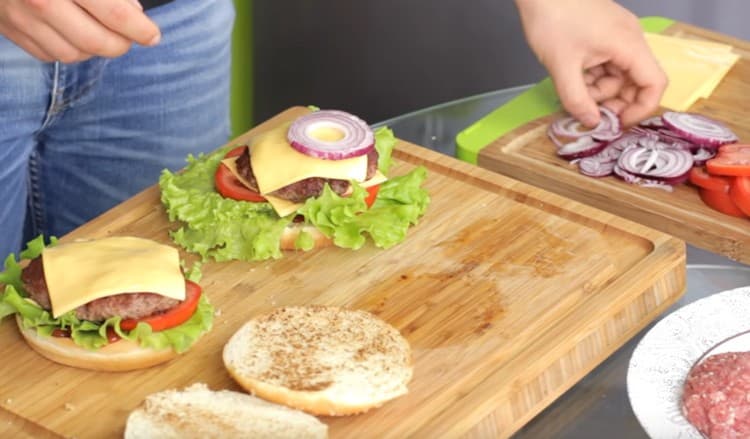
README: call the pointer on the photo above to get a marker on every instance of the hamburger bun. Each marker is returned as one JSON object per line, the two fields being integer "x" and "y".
{"x": 323, "y": 360}
{"x": 292, "y": 231}
{"x": 198, "y": 412}
{"x": 120, "y": 356}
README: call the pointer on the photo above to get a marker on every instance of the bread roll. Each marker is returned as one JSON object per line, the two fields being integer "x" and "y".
{"x": 323, "y": 360}
{"x": 198, "y": 412}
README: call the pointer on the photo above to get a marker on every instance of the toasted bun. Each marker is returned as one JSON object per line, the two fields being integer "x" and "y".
{"x": 198, "y": 412}
{"x": 323, "y": 360}
{"x": 292, "y": 231}
{"x": 116, "y": 357}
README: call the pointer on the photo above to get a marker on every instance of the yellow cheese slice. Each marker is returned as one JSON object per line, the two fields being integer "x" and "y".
{"x": 81, "y": 271}
{"x": 276, "y": 164}
{"x": 694, "y": 67}
{"x": 285, "y": 207}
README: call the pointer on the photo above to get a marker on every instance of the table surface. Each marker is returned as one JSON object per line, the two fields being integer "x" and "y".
{"x": 599, "y": 402}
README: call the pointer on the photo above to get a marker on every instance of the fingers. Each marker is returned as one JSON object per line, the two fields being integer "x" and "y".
{"x": 572, "y": 90}
{"x": 124, "y": 18}
{"x": 650, "y": 82}
{"x": 74, "y": 30}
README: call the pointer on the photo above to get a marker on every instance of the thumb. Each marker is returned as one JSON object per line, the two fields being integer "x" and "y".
{"x": 573, "y": 93}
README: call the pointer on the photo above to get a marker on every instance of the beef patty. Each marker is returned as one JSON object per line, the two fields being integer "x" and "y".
{"x": 309, "y": 187}
{"x": 128, "y": 306}
{"x": 715, "y": 397}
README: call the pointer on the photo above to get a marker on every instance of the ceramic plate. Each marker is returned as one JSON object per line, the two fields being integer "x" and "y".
{"x": 664, "y": 356}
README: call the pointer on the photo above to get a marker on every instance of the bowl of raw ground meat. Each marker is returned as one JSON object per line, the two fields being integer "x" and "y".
{"x": 689, "y": 376}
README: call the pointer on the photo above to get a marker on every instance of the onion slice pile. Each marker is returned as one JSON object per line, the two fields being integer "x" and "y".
{"x": 658, "y": 152}
{"x": 352, "y": 137}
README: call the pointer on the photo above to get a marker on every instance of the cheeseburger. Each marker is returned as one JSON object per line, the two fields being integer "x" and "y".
{"x": 115, "y": 304}
{"x": 315, "y": 181}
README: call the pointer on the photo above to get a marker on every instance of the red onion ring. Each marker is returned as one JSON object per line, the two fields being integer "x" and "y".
{"x": 698, "y": 129}
{"x": 582, "y": 147}
{"x": 668, "y": 164}
{"x": 607, "y": 129}
{"x": 357, "y": 137}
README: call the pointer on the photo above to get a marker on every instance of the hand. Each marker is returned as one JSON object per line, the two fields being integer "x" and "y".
{"x": 75, "y": 30}
{"x": 595, "y": 53}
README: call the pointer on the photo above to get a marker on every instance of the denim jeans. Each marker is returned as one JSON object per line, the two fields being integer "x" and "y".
{"x": 77, "y": 139}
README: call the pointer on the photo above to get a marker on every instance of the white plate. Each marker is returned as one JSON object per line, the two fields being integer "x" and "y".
{"x": 664, "y": 356}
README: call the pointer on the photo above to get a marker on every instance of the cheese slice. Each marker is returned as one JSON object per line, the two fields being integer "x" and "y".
{"x": 276, "y": 164}
{"x": 282, "y": 206}
{"x": 694, "y": 67}
{"x": 81, "y": 271}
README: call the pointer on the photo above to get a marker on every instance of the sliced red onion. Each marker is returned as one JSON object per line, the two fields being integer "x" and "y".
{"x": 652, "y": 122}
{"x": 665, "y": 164}
{"x": 698, "y": 129}
{"x": 608, "y": 127}
{"x": 701, "y": 155}
{"x": 595, "y": 166}
{"x": 582, "y": 147}
{"x": 356, "y": 136}
{"x": 644, "y": 182}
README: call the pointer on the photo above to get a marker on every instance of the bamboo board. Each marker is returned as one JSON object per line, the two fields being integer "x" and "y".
{"x": 508, "y": 295}
{"x": 528, "y": 155}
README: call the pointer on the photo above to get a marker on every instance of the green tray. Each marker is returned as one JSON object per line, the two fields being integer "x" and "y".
{"x": 538, "y": 101}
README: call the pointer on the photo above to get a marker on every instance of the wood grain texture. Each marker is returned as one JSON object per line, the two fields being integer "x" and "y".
{"x": 508, "y": 294}
{"x": 528, "y": 155}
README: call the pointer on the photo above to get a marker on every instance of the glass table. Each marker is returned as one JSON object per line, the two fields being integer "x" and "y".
{"x": 599, "y": 402}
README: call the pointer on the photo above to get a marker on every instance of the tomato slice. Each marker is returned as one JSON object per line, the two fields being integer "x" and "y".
{"x": 731, "y": 160}
{"x": 740, "y": 194}
{"x": 172, "y": 317}
{"x": 373, "y": 194}
{"x": 701, "y": 178}
{"x": 720, "y": 201}
{"x": 229, "y": 186}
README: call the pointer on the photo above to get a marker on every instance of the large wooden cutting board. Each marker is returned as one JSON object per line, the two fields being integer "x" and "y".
{"x": 508, "y": 294}
{"x": 528, "y": 155}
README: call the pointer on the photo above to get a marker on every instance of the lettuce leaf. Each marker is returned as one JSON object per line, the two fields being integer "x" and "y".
{"x": 222, "y": 229}
{"x": 93, "y": 335}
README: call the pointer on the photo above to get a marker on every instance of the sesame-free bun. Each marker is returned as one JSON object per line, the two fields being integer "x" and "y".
{"x": 198, "y": 412}
{"x": 123, "y": 355}
{"x": 292, "y": 231}
{"x": 323, "y": 360}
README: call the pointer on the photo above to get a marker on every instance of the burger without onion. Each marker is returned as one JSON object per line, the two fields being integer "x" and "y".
{"x": 82, "y": 304}
{"x": 319, "y": 180}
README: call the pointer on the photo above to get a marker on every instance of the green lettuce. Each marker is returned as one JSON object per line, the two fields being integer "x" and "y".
{"x": 223, "y": 229}
{"x": 93, "y": 335}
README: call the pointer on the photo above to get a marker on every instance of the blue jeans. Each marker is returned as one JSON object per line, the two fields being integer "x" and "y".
{"x": 75, "y": 140}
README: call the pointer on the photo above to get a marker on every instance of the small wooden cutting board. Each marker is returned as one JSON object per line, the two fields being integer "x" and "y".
{"x": 528, "y": 155}
{"x": 508, "y": 295}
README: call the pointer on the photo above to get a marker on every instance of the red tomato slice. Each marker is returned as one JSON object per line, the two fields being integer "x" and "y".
{"x": 740, "y": 194}
{"x": 373, "y": 193}
{"x": 229, "y": 186}
{"x": 731, "y": 160}
{"x": 172, "y": 317}
{"x": 720, "y": 201}
{"x": 701, "y": 178}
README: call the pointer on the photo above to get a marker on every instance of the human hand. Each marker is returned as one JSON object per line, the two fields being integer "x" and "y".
{"x": 75, "y": 30}
{"x": 595, "y": 53}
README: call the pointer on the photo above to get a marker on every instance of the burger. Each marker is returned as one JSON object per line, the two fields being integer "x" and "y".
{"x": 113, "y": 304}
{"x": 316, "y": 181}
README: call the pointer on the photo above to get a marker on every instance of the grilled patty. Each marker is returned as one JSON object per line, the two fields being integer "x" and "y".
{"x": 128, "y": 306}
{"x": 309, "y": 187}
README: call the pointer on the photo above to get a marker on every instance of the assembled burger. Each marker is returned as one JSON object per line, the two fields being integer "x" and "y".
{"x": 114, "y": 304}
{"x": 316, "y": 181}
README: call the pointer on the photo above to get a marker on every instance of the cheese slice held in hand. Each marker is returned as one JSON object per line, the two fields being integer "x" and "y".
{"x": 82, "y": 271}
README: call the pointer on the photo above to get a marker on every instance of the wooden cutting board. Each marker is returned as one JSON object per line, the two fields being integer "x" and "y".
{"x": 508, "y": 294}
{"x": 528, "y": 155}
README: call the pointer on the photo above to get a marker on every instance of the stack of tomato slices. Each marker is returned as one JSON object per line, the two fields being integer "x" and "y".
{"x": 230, "y": 186}
{"x": 724, "y": 182}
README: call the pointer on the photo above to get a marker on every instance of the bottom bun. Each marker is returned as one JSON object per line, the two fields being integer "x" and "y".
{"x": 292, "y": 231}
{"x": 120, "y": 356}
